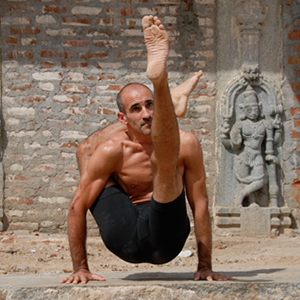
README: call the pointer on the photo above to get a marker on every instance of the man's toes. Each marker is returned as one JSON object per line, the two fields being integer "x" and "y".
{"x": 146, "y": 22}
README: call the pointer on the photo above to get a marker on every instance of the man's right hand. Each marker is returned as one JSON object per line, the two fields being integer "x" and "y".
{"x": 82, "y": 276}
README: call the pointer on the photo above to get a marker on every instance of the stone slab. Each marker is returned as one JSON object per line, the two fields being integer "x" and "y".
{"x": 255, "y": 221}
{"x": 249, "y": 284}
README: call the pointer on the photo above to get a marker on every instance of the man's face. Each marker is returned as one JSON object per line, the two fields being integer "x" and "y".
{"x": 138, "y": 104}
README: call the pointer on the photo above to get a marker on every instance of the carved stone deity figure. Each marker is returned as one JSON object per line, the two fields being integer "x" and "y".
{"x": 246, "y": 137}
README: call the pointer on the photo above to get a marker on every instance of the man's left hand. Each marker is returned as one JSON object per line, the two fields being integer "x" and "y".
{"x": 209, "y": 275}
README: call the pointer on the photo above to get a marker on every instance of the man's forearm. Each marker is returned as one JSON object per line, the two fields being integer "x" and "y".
{"x": 77, "y": 240}
{"x": 203, "y": 239}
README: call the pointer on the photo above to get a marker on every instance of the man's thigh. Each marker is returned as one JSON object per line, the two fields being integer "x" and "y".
{"x": 116, "y": 218}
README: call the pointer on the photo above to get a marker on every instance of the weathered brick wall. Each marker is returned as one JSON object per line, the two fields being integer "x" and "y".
{"x": 291, "y": 91}
{"x": 63, "y": 61}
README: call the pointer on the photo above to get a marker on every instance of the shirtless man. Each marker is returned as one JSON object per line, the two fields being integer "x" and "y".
{"x": 134, "y": 182}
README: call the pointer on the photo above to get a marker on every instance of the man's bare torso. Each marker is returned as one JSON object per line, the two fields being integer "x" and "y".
{"x": 133, "y": 170}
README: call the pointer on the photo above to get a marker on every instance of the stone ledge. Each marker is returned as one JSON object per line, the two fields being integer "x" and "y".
{"x": 252, "y": 284}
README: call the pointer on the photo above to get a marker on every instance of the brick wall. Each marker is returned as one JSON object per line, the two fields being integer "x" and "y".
{"x": 63, "y": 62}
{"x": 291, "y": 90}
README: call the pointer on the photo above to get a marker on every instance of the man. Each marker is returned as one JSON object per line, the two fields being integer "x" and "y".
{"x": 133, "y": 184}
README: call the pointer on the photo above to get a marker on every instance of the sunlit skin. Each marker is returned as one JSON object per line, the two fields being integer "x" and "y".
{"x": 139, "y": 109}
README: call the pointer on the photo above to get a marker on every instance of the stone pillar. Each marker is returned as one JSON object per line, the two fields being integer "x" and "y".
{"x": 249, "y": 97}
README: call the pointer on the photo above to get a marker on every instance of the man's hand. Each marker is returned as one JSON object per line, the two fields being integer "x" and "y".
{"x": 82, "y": 276}
{"x": 209, "y": 275}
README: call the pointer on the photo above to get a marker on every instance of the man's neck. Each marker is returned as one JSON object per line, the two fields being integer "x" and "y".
{"x": 139, "y": 137}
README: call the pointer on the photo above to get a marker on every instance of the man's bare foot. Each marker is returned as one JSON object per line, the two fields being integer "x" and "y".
{"x": 180, "y": 94}
{"x": 157, "y": 43}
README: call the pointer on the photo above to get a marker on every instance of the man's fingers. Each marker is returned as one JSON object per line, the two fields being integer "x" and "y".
{"x": 98, "y": 277}
{"x": 211, "y": 276}
{"x": 75, "y": 279}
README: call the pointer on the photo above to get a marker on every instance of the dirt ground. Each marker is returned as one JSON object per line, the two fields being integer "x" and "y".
{"x": 44, "y": 253}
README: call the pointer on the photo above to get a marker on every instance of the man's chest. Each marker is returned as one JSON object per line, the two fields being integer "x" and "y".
{"x": 134, "y": 172}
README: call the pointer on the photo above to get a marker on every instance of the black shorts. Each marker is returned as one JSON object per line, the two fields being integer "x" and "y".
{"x": 153, "y": 233}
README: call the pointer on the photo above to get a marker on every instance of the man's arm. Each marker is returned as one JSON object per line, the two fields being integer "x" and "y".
{"x": 197, "y": 196}
{"x": 88, "y": 146}
{"x": 101, "y": 165}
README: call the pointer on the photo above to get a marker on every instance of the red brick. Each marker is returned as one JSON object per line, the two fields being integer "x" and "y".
{"x": 75, "y": 43}
{"x": 23, "y": 178}
{"x": 294, "y": 35}
{"x": 297, "y": 72}
{"x": 132, "y": 54}
{"x": 114, "y": 87}
{"x": 12, "y": 40}
{"x": 76, "y": 21}
{"x": 23, "y": 87}
{"x": 22, "y": 8}
{"x": 93, "y": 77}
{"x": 126, "y": 12}
{"x": 295, "y": 111}
{"x": 74, "y": 64}
{"x": 295, "y": 86}
{"x": 59, "y": 122}
{"x": 295, "y": 135}
{"x": 47, "y": 64}
{"x": 20, "y": 54}
{"x": 55, "y": 54}
{"x": 92, "y": 55}
{"x": 297, "y": 47}
{"x": 32, "y": 99}
{"x": 108, "y": 43}
{"x": 69, "y": 145}
{"x": 26, "y": 42}
{"x": 70, "y": 87}
{"x": 105, "y": 22}
{"x": 54, "y": 9}
{"x": 294, "y": 60}
{"x": 297, "y": 123}
{"x": 109, "y": 11}
{"x": 69, "y": 99}
{"x": 24, "y": 30}
{"x": 296, "y": 184}
{"x": 105, "y": 111}
{"x": 297, "y": 98}
{"x": 297, "y": 22}
{"x": 20, "y": 201}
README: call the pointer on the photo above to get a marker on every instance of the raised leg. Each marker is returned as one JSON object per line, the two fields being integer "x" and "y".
{"x": 167, "y": 181}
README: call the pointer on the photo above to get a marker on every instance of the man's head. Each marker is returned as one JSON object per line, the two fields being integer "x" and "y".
{"x": 135, "y": 102}
{"x": 250, "y": 104}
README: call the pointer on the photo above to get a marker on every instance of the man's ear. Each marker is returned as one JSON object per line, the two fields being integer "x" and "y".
{"x": 122, "y": 118}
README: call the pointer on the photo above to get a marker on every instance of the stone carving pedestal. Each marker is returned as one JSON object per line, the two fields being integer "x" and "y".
{"x": 252, "y": 221}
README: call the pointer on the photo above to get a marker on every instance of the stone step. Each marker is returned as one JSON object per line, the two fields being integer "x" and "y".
{"x": 271, "y": 284}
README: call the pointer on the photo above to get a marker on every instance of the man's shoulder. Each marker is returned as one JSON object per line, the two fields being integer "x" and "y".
{"x": 188, "y": 138}
{"x": 113, "y": 145}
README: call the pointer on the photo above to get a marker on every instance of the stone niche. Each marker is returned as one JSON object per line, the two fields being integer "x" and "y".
{"x": 248, "y": 198}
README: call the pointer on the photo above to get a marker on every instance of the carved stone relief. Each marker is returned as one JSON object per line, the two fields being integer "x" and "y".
{"x": 251, "y": 129}
{"x": 249, "y": 132}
